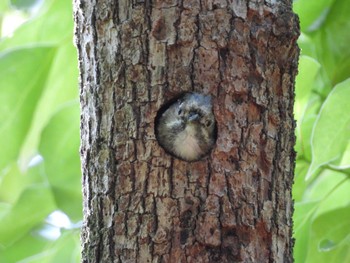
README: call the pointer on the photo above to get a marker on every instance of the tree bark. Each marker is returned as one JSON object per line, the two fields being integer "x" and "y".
{"x": 142, "y": 205}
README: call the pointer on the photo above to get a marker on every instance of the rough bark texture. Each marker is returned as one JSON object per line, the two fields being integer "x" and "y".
{"x": 141, "y": 205}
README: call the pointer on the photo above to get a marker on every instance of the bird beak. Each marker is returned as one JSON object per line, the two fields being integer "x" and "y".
{"x": 193, "y": 117}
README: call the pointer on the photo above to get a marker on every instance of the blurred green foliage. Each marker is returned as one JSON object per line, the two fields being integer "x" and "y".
{"x": 39, "y": 128}
{"x": 322, "y": 110}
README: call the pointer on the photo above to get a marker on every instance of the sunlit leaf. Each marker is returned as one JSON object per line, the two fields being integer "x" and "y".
{"x": 344, "y": 163}
{"x": 312, "y": 13}
{"x": 25, "y": 247}
{"x": 3, "y": 7}
{"x": 23, "y": 74}
{"x": 26, "y": 197}
{"x": 53, "y": 24}
{"x": 61, "y": 87}
{"x": 60, "y": 148}
{"x": 332, "y": 42}
{"x": 33, "y": 248}
{"x": 13, "y": 182}
{"x": 306, "y": 45}
{"x": 66, "y": 249}
{"x": 24, "y": 4}
{"x": 302, "y": 219}
{"x": 23, "y": 216}
{"x": 305, "y": 126}
{"x": 331, "y": 189}
{"x": 305, "y": 81}
{"x": 331, "y": 237}
{"x": 308, "y": 69}
{"x": 299, "y": 186}
{"x": 331, "y": 132}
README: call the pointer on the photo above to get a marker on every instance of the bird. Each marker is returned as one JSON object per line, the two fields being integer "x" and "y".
{"x": 186, "y": 127}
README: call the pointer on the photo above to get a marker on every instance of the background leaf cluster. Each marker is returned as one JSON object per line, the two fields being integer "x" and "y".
{"x": 40, "y": 192}
{"x": 39, "y": 128}
{"x": 322, "y": 109}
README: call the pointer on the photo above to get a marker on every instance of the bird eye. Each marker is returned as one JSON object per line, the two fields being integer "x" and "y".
{"x": 179, "y": 112}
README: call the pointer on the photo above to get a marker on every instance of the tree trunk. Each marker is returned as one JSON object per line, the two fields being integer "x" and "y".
{"x": 141, "y": 204}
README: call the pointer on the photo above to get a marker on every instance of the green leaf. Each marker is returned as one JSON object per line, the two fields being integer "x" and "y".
{"x": 330, "y": 237}
{"x": 302, "y": 219}
{"x": 53, "y": 25}
{"x": 331, "y": 188}
{"x": 4, "y": 6}
{"x": 332, "y": 43}
{"x": 303, "y": 146}
{"x": 345, "y": 160}
{"x": 331, "y": 132}
{"x": 13, "y": 181}
{"x": 25, "y": 247}
{"x": 34, "y": 248}
{"x": 312, "y": 13}
{"x": 299, "y": 186}
{"x": 304, "y": 128}
{"x": 23, "y": 74}
{"x": 65, "y": 249}
{"x": 25, "y": 201}
{"x": 24, "y": 4}
{"x": 305, "y": 81}
{"x": 306, "y": 45}
{"x": 61, "y": 87}
{"x": 23, "y": 216}
{"x": 60, "y": 148}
